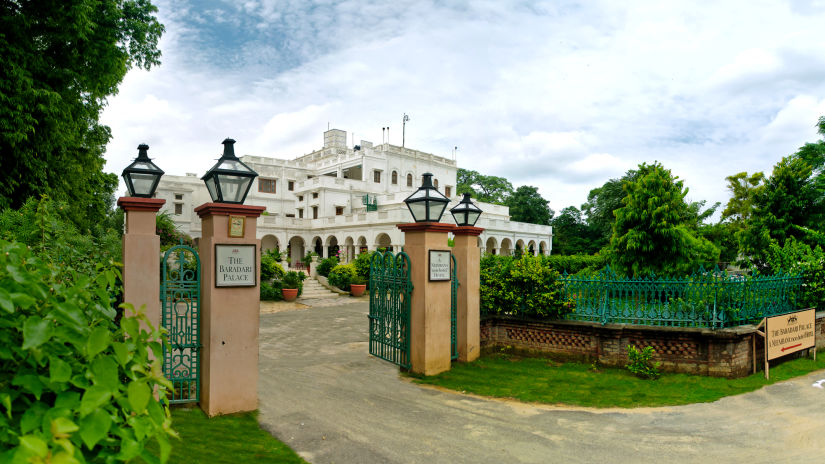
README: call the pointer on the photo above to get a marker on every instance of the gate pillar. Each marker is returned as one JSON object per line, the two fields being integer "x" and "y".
{"x": 230, "y": 304}
{"x": 141, "y": 255}
{"x": 468, "y": 259}
{"x": 430, "y": 344}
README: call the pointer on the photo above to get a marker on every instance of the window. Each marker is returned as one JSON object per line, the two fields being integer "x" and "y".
{"x": 291, "y": 185}
{"x": 394, "y": 178}
{"x": 178, "y": 196}
{"x": 314, "y": 194}
{"x": 289, "y": 215}
{"x": 314, "y": 212}
{"x": 300, "y": 198}
{"x": 409, "y": 180}
{"x": 300, "y": 212}
{"x": 339, "y": 210}
{"x": 266, "y": 185}
{"x": 376, "y": 177}
{"x": 178, "y": 208}
{"x": 435, "y": 183}
{"x": 448, "y": 191}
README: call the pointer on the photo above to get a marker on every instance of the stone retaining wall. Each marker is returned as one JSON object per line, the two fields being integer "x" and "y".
{"x": 719, "y": 353}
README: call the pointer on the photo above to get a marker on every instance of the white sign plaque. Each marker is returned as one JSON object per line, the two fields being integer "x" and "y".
{"x": 439, "y": 265}
{"x": 235, "y": 265}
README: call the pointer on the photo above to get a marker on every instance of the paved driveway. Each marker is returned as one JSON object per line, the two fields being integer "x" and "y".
{"x": 323, "y": 395}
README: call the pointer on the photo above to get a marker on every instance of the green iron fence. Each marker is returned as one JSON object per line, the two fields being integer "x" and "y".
{"x": 180, "y": 316}
{"x": 390, "y": 299}
{"x": 710, "y": 299}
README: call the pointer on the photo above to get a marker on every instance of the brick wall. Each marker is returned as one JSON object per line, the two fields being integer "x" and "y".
{"x": 719, "y": 353}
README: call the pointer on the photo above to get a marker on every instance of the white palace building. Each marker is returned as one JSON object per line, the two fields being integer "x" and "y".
{"x": 348, "y": 200}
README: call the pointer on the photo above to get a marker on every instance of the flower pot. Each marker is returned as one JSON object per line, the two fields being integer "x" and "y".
{"x": 289, "y": 293}
{"x": 357, "y": 290}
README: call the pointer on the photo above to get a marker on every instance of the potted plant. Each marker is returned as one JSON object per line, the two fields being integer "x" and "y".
{"x": 292, "y": 284}
{"x": 357, "y": 286}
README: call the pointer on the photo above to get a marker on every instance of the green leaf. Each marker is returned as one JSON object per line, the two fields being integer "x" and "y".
{"x": 68, "y": 400}
{"x": 98, "y": 341}
{"x": 5, "y": 400}
{"x": 63, "y": 458}
{"x": 30, "y": 382}
{"x": 34, "y": 444}
{"x": 94, "y": 397}
{"x": 131, "y": 326}
{"x": 5, "y": 301}
{"x": 36, "y": 331}
{"x": 105, "y": 372}
{"x": 122, "y": 353}
{"x": 22, "y": 300}
{"x": 138, "y": 394}
{"x": 59, "y": 370}
{"x": 63, "y": 428}
{"x": 94, "y": 427}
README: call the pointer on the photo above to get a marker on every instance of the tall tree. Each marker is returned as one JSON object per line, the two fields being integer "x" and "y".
{"x": 601, "y": 204}
{"x": 527, "y": 205}
{"x": 489, "y": 189}
{"x": 571, "y": 235}
{"x": 652, "y": 234}
{"x": 59, "y": 61}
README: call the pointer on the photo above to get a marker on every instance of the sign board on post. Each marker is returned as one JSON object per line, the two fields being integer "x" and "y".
{"x": 235, "y": 265}
{"x": 790, "y": 333}
{"x": 439, "y": 265}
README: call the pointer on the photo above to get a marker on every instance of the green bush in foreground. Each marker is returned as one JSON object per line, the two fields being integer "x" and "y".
{"x": 74, "y": 387}
{"x": 342, "y": 276}
{"x": 326, "y": 265}
{"x": 522, "y": 287}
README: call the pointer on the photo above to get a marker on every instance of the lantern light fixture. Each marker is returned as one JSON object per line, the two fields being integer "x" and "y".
{"x": 427, "y": 204}
{"x": 142, "y": 176}
{"x": 466, "y": 213}
{"x": 229, "y": 180}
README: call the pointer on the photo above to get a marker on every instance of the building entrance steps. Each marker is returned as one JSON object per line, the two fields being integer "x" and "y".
{"x": 314, "y": 290}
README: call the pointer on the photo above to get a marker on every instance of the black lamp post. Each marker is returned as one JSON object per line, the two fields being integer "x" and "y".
{"x": 142, "y": 176}
{"x": 466, "y": 213}
{"x": 229, "y": 179}
{"x": 427, "y": 204}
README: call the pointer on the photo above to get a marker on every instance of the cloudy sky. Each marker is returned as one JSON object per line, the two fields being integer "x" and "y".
{"x": 560, "y": 95}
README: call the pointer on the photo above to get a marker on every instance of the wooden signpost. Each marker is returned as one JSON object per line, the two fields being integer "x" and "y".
{"x": 786, "y": 334}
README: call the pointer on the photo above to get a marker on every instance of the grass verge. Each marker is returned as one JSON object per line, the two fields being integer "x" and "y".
{"x": 224, "y": 439}
{"x": 543, "y": 380}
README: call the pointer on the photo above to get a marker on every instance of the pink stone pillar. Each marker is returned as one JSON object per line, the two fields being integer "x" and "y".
{"x": 468, "y": 260}
{"x": 430, "y": 345}
{"x": 229, "y": 315}
{"x": 141, "y": 256}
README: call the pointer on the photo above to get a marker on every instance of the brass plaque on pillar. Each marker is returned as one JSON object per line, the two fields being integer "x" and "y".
{"x": 236, "y": 226}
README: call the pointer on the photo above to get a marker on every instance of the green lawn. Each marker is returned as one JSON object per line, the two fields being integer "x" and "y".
{"x": 227, "y": 439}
{"x": 543, "y": 380}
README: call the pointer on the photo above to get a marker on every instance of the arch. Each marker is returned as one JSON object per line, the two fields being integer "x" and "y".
{"x": 269, "y": 242}
{"x": 383, "y": 240}
{"x": 492, "y": 244}
{"x": 331, "y": 246}
{"x": 349, "y": 248}
{"x": 361, "y": 245}
{"x": 506, "y": 247}
{"x": 317, "y": 246}
{"x": 394, "y": 177}
{"x": 531, "y": 247}
{"x": 542, "y": 248}
{"x": 295, "y": 250}
{"x": 409, "y": 180}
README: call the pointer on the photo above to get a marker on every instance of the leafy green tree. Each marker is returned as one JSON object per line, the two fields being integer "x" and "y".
{"x": 59, "y": 61}
{"x": 651, "y": 235}
{"x": 743, "y": 188}
{"x": 489, "y": 189}
{"x": 527, "y": 205}
{"x": 601, "y": 204}
{"x": 571, "y": 235}
{"x": 796, "y": 257}
{"x": 789, "y": 200}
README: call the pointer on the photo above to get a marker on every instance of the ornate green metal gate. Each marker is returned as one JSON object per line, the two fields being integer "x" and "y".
{"x": 453, "y": 309}
{"x": 390, "y": 298}
{"x": 180, "y": 291}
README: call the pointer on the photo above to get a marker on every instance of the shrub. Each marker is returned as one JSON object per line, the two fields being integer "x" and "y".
{"x": 271, "y": 291}
{"x": 573, "y": 264}
{"x": 521, "y": 287}
{"x": 270, "y": 268}
{"x": 326, "y": 265}
{"x": 641, "y": 362}
{"x": 796, "y": 257}
{"x": 294, "y": 279}
{"x": 362, "y": 265}
{"x": 341, "y": 276}
{"x": 74, "y": 387}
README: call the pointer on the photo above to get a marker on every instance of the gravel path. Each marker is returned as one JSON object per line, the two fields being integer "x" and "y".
{"x": 327, "y": 398}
